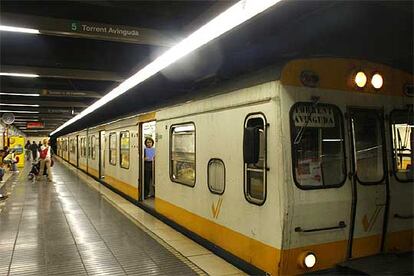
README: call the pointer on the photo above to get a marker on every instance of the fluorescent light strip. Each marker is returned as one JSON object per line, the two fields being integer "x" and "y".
{"x": 19, "y": 111}
{"x": 25, "y": 120}
{"x": 23, "y": 75}
{"x": 19, "y": 94}
{"x": 232, "y": 17}
{"x": 28, "y": 105}
{"x": 5, "y": 28}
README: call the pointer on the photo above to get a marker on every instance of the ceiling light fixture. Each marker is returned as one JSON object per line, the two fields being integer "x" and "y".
{"x": 5, "y": 28}
{"x": 25, "y": 120}
{"x": 23, "y": 75}
{"x": 19, "y": 94}
{"x": 18, "y": 111}
{"x": 232, "y": 17}
{"x": 28, "y": 105}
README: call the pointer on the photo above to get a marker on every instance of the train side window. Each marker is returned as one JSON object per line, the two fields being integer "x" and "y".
{"x": 112, "y": 148}
{"x": 255, "y": 158}
{"x": 124, "y": 149}
{"x": 318, "y": 149}
{"x": 367, "y": 128}
{"x": 182, "y": 154}
{"x": 216, "y": 176}
{"x": 402, "y": 130}
{"x": 93, "y": 149}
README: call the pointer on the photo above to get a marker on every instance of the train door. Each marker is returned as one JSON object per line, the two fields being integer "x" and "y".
{"x": 369, "y": 182}
{"x": 102, "y": 155}
{"x": 147, "y": 161}
{"x": 400, "y": 226}
{"x": 78, "y": 145}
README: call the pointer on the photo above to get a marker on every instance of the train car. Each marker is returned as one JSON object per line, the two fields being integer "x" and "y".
{"x": 290, "y": 170}
{"x": 119, "y": 156}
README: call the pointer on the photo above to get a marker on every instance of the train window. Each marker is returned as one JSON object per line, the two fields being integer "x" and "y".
{"x": 93, "y": 149}
{"x": 402, "y": 124}
{"x": 112, "y": 148}
{"x": 318, "y": 148}
{"x": 255, "y": 158}
{"x": 124, "y": 149}
{"x": 182, "y": 154}
{"x": 216, "y": 176}
{"x": 367, "y": 131}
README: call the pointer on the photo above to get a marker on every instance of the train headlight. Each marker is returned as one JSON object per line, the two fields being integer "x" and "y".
{"x": 310, "y": 260}
{"x": 307, "y": 260}
{"x": 360, "y": 79}
{"x": 377, "y": 81}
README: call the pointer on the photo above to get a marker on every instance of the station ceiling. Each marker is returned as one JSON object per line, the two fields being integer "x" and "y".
{"x": 78, "y": 64}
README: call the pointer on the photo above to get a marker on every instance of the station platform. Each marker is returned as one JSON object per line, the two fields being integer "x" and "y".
{"x": 76, "y": 226}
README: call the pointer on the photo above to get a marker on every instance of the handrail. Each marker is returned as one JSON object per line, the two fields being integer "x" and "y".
{"x": 341, "y": 224}
{"x": 403, "y": 217}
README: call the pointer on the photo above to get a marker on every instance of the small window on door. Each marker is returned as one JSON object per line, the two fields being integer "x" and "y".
{"x": 216, "y": 176}
{"x": 255, "y": 159}
{"x": 402, "y": 129}
{"x": 367, "y": 128}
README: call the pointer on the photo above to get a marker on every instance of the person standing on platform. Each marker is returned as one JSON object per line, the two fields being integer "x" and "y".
{"x": 46, "y": 160}
{"x": 35, "y": 151}
{"x": 27, "y": 150}
{"x": 149, "y": 155}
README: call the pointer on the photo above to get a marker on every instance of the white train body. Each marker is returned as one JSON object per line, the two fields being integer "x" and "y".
{"x": 319, "y": 188}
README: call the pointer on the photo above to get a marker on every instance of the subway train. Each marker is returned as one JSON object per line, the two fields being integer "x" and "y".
{"x": 292, "y": 169}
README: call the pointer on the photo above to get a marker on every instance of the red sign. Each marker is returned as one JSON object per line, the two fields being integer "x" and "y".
{"x": 35, "y": 125}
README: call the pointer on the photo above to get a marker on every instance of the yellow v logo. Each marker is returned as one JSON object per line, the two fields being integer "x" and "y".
{"x": 215, "y": 209}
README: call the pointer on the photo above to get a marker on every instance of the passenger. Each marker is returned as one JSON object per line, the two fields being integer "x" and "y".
{"x": 11, "y": 160}
{"x": 45, "y": 160}
{"x": 39, "y": 146}
{"x": 27, "y": 150}
{"x": 149, "y": 155}
{"x": 35, "y": 151}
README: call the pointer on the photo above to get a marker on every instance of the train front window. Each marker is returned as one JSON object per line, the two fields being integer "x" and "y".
{"x": 402, "y": 129}
{"x": 368, "y": 141}
{"x": 317, "y": 146}
{"x": 182, "y": 154}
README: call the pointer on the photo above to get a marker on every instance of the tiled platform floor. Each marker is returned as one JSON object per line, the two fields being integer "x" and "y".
{"x": 67, "y": 228}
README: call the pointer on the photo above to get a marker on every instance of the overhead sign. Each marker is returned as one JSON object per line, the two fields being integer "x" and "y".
{"x": 92, "y": 30}
{"x": 311, "y": 116}
{"x": 35, "y": 125}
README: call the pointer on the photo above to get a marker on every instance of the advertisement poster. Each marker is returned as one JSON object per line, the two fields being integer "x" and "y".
{"x": 17, "y": 143}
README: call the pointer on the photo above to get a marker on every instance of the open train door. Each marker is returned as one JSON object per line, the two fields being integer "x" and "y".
{"x": 146, "y": 158}
{"x": 369, "y": 182}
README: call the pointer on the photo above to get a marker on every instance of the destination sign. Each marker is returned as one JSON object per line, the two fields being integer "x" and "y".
{"x": 309, "y": 116}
